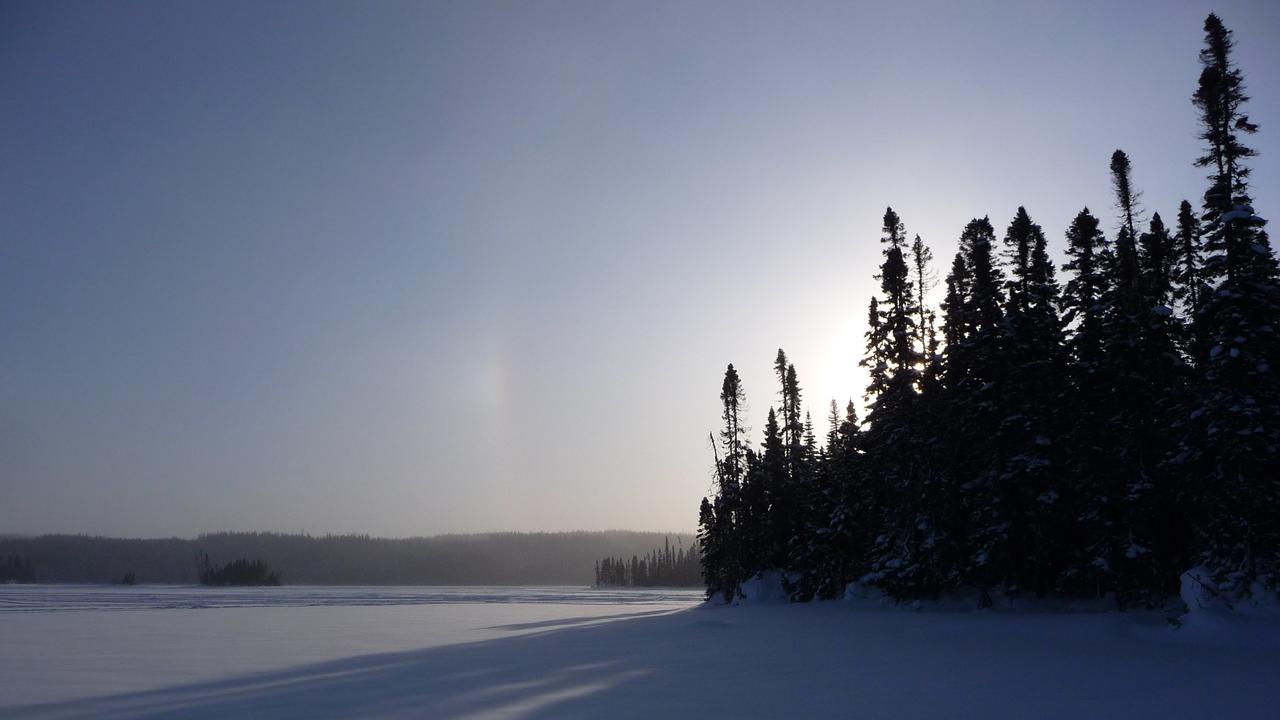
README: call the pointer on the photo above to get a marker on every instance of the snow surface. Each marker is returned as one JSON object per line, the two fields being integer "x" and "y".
{"x": 79, "y": 652}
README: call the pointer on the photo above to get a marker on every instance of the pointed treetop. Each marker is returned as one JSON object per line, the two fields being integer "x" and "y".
{"x": 895, "y": 233}
{"x": 1126, "y": 196}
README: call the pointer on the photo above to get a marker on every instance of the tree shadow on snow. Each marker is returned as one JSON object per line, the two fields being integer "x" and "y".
{"x": 555, "y": 673}
{"x": 579, "y": 620}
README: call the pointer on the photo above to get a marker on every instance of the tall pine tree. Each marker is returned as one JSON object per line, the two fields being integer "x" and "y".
{"x": 1232, "y": 443}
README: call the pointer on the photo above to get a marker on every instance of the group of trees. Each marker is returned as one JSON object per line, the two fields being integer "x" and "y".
{"x": 668, "y": 567}
{"x": 241, "y": 572}
{"x": 1094, "y": 435}
{"x": 554, "y": 558}
{"x": 17, "y": 569}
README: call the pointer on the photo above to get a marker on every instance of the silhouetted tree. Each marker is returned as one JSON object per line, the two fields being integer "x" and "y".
{"x": 1029, "y": 436}
{"x": 1189, "y": 290}
{"x": 1231, "y": 447}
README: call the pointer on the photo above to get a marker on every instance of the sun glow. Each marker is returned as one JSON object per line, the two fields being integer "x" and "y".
{"x": 840, "y": 376}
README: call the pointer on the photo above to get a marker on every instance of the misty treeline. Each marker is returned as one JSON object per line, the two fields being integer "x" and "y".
{"x": 666, "y": 567}
{"x": 242, "y": 572}
{"x": 561, "y": 558}
{"x": 17, "y": 569}
{"x": 1097, "y": 432}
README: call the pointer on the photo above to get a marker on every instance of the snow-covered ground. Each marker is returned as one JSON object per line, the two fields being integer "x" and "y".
{"x": 101, "y": 652}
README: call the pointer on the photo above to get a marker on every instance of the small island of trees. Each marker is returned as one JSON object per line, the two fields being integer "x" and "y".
{"x": 240, "y": 572}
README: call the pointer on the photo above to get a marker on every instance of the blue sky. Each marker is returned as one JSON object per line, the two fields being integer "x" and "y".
{"x": 407, "y": 268}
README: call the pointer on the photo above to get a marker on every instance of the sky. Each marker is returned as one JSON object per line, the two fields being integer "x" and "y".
{"x": 414, "y": 268}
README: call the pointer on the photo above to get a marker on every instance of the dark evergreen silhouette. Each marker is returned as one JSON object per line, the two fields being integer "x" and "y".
{"x": 1230, "y": 448}
{"x": 16, "y": 569}
{"x": 1109, "y": 437}
{"x": 666, "y": 567}
{"x": 240, "y": 572}
{"x": 1031, "y": 483}
{"x": 719, "y": 521}
{"x": 1189, "y": 288}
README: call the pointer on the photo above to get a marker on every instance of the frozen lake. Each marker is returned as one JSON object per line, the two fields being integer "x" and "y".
{"x": 103, "y": 645}
{"x": 478, "y": 653}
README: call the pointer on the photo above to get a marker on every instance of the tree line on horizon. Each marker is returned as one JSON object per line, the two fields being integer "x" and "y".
{"x": 507, "y": 558}
{"x": 1092, "y": 436}
{"x": 17, "y": 569}
{"x": 666, "y": 567}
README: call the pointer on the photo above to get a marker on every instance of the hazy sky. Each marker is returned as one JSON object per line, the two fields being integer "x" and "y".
{"x": 409, "y": 268}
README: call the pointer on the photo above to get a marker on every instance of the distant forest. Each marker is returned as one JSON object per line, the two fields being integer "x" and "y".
{"x": 666, "y": 567}
{"x": 482, "y": 559}
{"x": 1097, "y": 436}
{"x": 15, "y": 569}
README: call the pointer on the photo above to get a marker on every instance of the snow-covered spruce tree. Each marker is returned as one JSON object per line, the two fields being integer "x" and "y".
{"x": 1154, "y": 499}
{"x": 945, "y": 392}
{"x": 733, "y": 435}
{"x": 808, "y": 551}
{"x": 795, "y": 426}
{"x": 1140, "y": 378}
{"x": 721, "y": 552}
{"x": 1030, "y": 484}
{"x": 974, "y": 410}
{"x": 1087, "y": 462}
{"x": 712, "y": 547}
{"x": 817, "y": 555}
{"x": 761, "y": 549}
{"x": 789, "y": 397}
{"x": 801, "y": 510}
{"x": 850, "y": 526}
{"x": 955, "y": 325}
{"x": 1156, "y": 257}
{"x": 1189, "y": 290}
{"x": 902, "y": 559}
{"x": 1231, "y": 446}
{"x": 932, "y": 524}
{"x": 1083, "y": 296}
{"x": 786, "y": 490}
{"x": 924, "y": 279}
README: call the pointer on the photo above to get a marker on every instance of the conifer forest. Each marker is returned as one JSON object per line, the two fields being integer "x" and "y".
{"x": 666, "y": 567}
{"x": 1109, "y": 428}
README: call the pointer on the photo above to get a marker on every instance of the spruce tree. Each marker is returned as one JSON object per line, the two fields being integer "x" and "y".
{"x": 955, "y": 326}
{"x": 731, "y": 472}
{"x": 924, "y": 279}
{"x": 1087, "y": 463}
{"x": 1083, "y": 296}
{"x": 898, "y": 471}
{"x": 1029, "y": 436}
{"x": 733, "y": 436}
{"x": 1232, "y": 441}
{"x": 974, "y": 410}
{"x": 1189, "y": 291}
{"x": 780, "y": 366}
{"x": 808, "y": 551}
{"x": 765, "y": 509}
{"x": 850, "y": 525}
